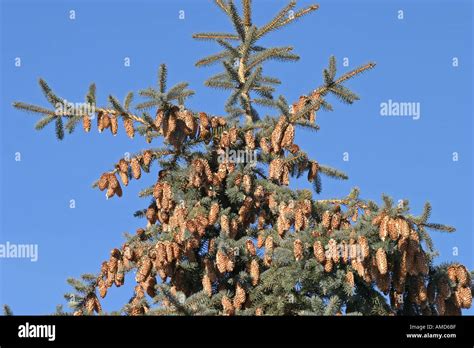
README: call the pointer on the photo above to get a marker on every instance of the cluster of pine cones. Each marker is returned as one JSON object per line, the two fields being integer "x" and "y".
{"x": 108, "y": 119}
{"x": 189, "y": 229}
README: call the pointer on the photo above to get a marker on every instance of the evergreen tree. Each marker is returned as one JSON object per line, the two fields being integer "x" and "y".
{"x": 227, "y": 235}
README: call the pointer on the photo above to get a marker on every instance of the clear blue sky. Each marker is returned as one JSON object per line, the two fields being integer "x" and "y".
{"x": 399, "y": 156}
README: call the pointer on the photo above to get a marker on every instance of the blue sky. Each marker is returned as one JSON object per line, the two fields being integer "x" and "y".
{"x": 402, "y": 157}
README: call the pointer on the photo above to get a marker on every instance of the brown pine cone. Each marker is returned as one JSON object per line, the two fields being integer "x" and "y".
{"x": 86, "y": 123}
{"x": 326, "y": 219}
{"x": 383, "y": 229}
{"x": 114, "y": 124}
{"x": 254, "y": 272}
{"x": 227, "y": 306}
{"x": 128, "y": 125}
{"x": 288, "y": 136}
{"x": 298, "y": 249}
{"x": 381, "y": 259}
{"x": 136, "y": 169}
{"x": 319, "y": 253}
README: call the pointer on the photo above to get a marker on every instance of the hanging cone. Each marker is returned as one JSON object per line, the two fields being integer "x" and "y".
{"x": 86, "y": 123}
{"x": 254, "y": 272}
{"x": 250, "y": 247}
{"x": 249, "y": 140}
{"x": 336, "y": 221}
{"x": 462, "y": 276}
{"x": 326, "y": 219}
{"x": 221, "y": 261}
{"x": 288, "y": 136}
{"x": 259, "y": 312}
{"x": 328, "y": 265}
{"x": 147, "y": 157}
{"x": 265, "y": 145}
{"x": 260, "y": 240}
{"x": 207, "y": 285}
{"x": 225, "y": 224}
{"x": 240, "y": 296}
{"x": 143, "y": 270}
{"x": 102, "y": 287}
{"x": 103, "y": 181}
{"x": 319, "y": 253}
{"x": 313, "y": 171}
{"x": 128, "y": 125}
{"x": 383, "y": 229}
{"x": 213, "y": 213}
{"x": 452, "y": 273}
{"x": 113, "y": 125}
{"x": 364, "y": 246}
{"x": 381, "y": 259}
{"x": 465, "y": 296}
{"x": 298, "y": 250}
{"x": 404, "y": 228}
{"x": 299, "y": 220}
{"x": 277, "y": 134}
{"x": 227, "y": 306}
{"x": 136, "y": 170}
{"x": 247, "y": 183}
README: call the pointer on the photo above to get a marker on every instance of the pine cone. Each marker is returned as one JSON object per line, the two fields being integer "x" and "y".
{"x": 265, "y": 145}
{"x": 319, "y": 253}
{"x": 225, "y": 224}
{"x": 383, "y": 229}
{"x": 86, "y": 123}
{"x": 336, "y": 221}
{"x": 364, "y": 246}
{"x": 326, "y": 219}
{"x": 249, "y": 140}
{"x": 254, "y": 272}
{"x": 298, "y": 249}
{"x": 462, "y": 276}
{"x": 143, "y": 270}
{"x": 114, "y": 125}
{"x": 299, "y": 220}
{"x": 258, "y": 312}
{"x": 250, "y": 247}
{"x": 452, "y": 273}
{"x": 328, "y": 265}
{"x": 221, "y": 261}
{"x": 465, "y": 295}
{"x": 147, "y": 157}
{"x": 213, "y": 213}
{"x": 247, "y": 183}
{"x": 240, "y": 296}
{"x": 404, "y": 228}
{"x": 381, "y": 259}
{"x": 288, "y": 136}
{"x": 350, "y": 278}
{"x": 128, "y": 125}
{"x": 313, "y": 171}
{"x": 207, "y": 285}
{"x": 102, "y": 287}
{"x": 103, "y": 181}
{"x": 136, "y": 169}
{"x": 227, "y": 306}
{"x": 277, "y": 134}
